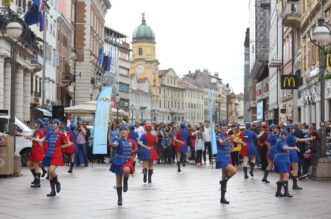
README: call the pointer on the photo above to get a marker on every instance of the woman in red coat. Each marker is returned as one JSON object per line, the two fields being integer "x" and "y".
{"x": 71, "y": 135}
{"x": 37, "y": 154}
{"x": 53, "y": 156}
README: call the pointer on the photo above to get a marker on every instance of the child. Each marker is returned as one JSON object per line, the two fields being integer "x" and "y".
{"x": 166, "y": 147}
{"x": 199, "y": 145}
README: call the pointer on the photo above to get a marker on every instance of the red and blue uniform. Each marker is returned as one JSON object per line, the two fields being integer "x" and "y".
{"x": 251, "y": 136}
{"x": 123, "y": 156}
{"x": 148, "y": 140}
{"x": 53, "y": 155}
{"x": 244, "y": 147}
{"x": 37, "y": 150}
{"x": 273, "y": 139}
{"x": 182, "y": 135}
{"x": 71, "y": 148}
{"x": 223, "y": 157}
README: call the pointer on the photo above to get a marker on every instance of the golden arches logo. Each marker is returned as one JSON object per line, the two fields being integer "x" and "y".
{"x": 289, "y": 81}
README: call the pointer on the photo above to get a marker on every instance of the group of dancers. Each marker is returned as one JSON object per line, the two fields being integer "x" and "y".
{"x": 49, "y": 143}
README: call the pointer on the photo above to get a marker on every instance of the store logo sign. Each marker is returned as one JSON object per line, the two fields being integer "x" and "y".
{"x": 289, "y": 82}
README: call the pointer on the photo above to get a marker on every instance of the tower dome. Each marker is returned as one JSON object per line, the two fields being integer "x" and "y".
{"x": 143, "y": 32}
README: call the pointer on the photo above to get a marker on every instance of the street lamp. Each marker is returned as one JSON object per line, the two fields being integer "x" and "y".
{"x": 320, "y": 37}
{"x": 13, "y": 30}
{"x": 117, "y": 100}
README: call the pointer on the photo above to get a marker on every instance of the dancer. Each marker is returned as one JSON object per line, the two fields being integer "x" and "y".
{"x": 181, "y": 145}
{"x": 71, "y": 135}
{"x": 134, "y": 136}
{"x": 252, "y": 148}
{"x": 236, "y": 142}
{"x": 223, "y": 159}
{"x": 282, "y": 161}
{"x": 272, "y": 139}
{"x": 53, "y": 157}
{"x": 291, "y": 141}
{"x": 122, "y": 164}
{"x": 37, "y": 153}
{"x": 148, "y": 153}
{"x": 244, "y": 152}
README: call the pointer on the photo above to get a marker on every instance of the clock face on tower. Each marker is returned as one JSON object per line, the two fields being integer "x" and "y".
{"x": 139, "y": 68}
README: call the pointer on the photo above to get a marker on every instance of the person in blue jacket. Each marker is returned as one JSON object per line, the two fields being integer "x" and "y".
{"x": 223, "y": 158}
{"x": 294, "y": 160}
{"x": 122, "y": 164}
{"x": 272, "y": 139}
{"x": 251, "y": 136}
{"x": 281, "y": 164}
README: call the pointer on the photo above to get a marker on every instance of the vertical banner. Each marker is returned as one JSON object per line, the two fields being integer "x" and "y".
{"x": 100, "y": 56}
{"x": 212, "y": 130}
{"x": 101, "y": 118}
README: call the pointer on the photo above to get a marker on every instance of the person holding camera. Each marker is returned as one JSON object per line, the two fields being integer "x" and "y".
{"x": 81, "y": 143}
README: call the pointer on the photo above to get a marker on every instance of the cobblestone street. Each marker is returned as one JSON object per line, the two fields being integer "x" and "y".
{"x": 194, "y": 193}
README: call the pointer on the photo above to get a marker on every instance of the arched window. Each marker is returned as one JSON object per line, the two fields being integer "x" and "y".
{"x": 140, "y": 51}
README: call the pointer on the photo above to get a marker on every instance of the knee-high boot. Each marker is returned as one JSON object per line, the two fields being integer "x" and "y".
{"x": 223, "y": 191}
{"x": 52, "y": 193}
{"x": 37, "y": 181}
{"x": 71, "y": 167}
{"x": 252, "y": 169}
{"x": 279, "y": 188}
{"x": 178, "y": 166}
{"x": 245, "y": 172}
{"x": 295, "y": 183}
{"x": 150, "y": 173}
{"x": 125, "y": 183}
{"x": 43, "y": 169}
{"x": 286, "y": 194}
{"x": 119, "y": 196}
{"x": 57, "y": 184}
{"x": 145, "y": 174}
{"x": 34, "y": 176}
{"x": 265, "y": 177}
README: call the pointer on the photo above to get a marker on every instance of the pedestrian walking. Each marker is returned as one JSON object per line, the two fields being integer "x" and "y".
{"x": 223, "y": 160}
{"x": 148, "y": 153}
{"x": 281, "y": 164}
{"x": 122, "y": 164}
{"x": 181, "y": 147}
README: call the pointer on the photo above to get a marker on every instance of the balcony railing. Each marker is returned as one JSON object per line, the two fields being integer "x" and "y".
{"x": 292, "y": 14}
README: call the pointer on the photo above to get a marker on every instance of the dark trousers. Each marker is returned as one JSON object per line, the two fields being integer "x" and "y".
{"x": 207, "y": 147}
{"x": 166, "y": 155}
{"x": 263, "y": 157}
{"x": 198, "y": 158}
{"x": 235, "y": 158}
{"x": 81, "y": 150}
{"x": 192, "y": 153}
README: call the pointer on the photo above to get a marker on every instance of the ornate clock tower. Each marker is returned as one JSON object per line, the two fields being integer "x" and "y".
{"x": 144, "y": 63}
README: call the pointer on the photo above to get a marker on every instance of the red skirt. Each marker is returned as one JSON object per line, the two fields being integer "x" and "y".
{"x": 153, "y": 154}
{"x": 70, "y": 149}
{"x": 37, "y": 153}
{"x": 57, "y": 161}
{"x": 129, "y": 164}
{"x": 244, "y": 149}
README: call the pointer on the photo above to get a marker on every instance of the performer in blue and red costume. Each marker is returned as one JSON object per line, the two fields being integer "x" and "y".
{"x": 53, "y": 156}
{"x": 71, "y": 135}
{"x": 181, "y": 147}
{"x": 223, "y": 158}
{"x": 134, "y": 136}
{"x": 148, "y": 153}
{"x": 122, "y": 163}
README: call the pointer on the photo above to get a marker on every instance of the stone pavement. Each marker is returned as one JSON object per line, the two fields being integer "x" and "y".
{"x": 194, "y": 193}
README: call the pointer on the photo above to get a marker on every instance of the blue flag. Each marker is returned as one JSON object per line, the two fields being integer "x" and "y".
{"x": 212, "y": 131}
{"x": 100, "y": 56}
{"x": 35, "y": 15}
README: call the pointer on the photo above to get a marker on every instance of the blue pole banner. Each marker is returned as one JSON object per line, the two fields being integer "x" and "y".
{"x": 100, "y": 56}
{"x": 212, "y": 130}
{"x": 101, "y": 119}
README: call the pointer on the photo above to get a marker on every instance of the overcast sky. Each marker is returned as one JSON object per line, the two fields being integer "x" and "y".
{"x": 190, "y": 34}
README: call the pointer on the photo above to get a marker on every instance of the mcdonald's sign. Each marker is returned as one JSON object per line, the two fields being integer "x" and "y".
{"x": 289, "y": 82}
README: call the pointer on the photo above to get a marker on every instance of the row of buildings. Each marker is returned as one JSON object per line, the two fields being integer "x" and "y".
{"x": 278, "y": 43}
{"x": 71, "y": 55}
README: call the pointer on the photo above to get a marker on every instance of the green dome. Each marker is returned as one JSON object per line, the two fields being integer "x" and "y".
{"x": 143, "y": 32}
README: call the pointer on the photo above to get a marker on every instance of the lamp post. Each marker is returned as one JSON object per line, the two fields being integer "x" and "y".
{"x": 320, "y": 37}
{"x": 117, "y": 100}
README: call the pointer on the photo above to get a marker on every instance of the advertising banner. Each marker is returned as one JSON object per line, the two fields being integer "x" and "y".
{"x": 212, "y": 131}
{"x": 101, "y": 119}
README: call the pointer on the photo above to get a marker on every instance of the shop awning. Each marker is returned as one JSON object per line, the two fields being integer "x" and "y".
{"x": 45, "y": 112}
